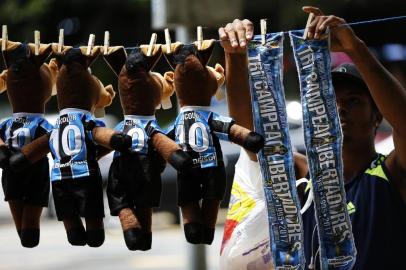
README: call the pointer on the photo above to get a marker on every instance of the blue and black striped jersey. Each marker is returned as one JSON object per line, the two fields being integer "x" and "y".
{"x": 197, "y": 130}
{"x": 140, "y": 128}
{"x": 378, "y": 217}
{"x": 23, "y": 128}
{"x": 72, "y": 145}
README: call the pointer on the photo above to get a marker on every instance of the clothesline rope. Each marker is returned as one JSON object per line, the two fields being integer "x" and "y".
{"x": 387, "y": 19}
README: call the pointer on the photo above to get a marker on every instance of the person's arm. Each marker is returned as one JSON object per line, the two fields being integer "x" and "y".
{"x": 234, "y": 38}
{"x": 388, "y": 94}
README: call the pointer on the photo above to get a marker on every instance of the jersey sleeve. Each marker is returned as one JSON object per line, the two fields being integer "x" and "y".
{"x": 46, "y": 126}
{"x": 152, "y": 127}
{"x": 220, "y": 125}
{"x": 90, "y": 122}
{"x": 99, "y": 123}
{"x": 119, "y": 127}
{"x": 170, "y": 131}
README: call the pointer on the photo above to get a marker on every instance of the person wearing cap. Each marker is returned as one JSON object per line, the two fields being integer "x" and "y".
{"x": 365, "y": 92}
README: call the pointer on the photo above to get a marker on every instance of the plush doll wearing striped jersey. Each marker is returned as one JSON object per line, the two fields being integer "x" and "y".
{"x": 29, "y": 83}
{"x": 134, "y": 186}
{"x": 198, "y": 130}
{"x": 74, "y": 143}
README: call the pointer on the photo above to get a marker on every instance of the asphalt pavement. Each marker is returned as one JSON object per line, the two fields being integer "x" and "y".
{"x": 170, "y": 251}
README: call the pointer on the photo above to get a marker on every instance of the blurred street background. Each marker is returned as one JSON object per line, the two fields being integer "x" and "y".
{"x": 131, "y": 23}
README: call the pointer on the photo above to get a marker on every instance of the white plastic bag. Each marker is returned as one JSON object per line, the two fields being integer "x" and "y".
{"x": 246, "y": 234}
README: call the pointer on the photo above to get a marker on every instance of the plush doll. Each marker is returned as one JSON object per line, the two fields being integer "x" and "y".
{"x": 29, "y": 83}
{"x": 198, "y": 130}
{"x": 73, "y": 142}
{"x": 134, "y": 185}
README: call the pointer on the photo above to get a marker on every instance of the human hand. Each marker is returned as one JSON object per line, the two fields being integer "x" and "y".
{"x": 342, "y": 37}
{"x": 235, "y": 36}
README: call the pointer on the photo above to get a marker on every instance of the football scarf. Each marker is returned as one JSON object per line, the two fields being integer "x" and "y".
{"x": 323, "y": 140}
{"x": 276, "y": 159}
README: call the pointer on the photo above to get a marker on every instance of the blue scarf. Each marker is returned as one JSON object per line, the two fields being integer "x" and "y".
{"x": 323, "y": 140}
{"x": 276, "y": 159}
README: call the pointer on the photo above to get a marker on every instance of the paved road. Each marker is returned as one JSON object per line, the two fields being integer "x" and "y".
{"x": 169, "y": 251}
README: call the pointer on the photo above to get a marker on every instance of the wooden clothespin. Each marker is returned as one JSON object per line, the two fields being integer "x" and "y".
{"x": 167, "y": 40}
{"x": 309, "y": 21}
{"x": 60, "y": 40}
{"x": 4, "y": 38}
{"x": 199, "y": 37}
{"x": 151, "y": 44}
{"x": 90, "y": 44}
{"x": 106, "y": 42}
{"x": 37, "y": 42}
{"x": 263, "y": 31}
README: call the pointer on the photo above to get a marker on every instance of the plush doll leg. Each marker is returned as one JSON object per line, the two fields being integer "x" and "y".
{"x": 94, "y": 232}
{"x": 16, "y": 208}
{"x": 209, "y": 217}
{"x": 192, "y": 226}
{"x": 132, "y": 229}
{"x": 30, "y": 226}
{"x": 144, "y": 216}
{"x": 75, "y": 231}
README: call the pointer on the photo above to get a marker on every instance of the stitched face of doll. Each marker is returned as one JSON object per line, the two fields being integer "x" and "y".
{"x": 194, "y": 84}
{"x": 77, "y": 88}
{"x": 29, "y": 85}
{"x": 140, "y": 91}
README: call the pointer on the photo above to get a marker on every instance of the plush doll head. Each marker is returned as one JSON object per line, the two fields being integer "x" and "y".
{"x": 141, "y": 91}
{"x": 29, "y": 81}
{"x": 195, "y": 83}
{"x": 77, "y": 88}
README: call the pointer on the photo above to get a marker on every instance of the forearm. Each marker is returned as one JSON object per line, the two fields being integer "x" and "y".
{"x": 238, "y": 92}
{"x": 388, "y": 94}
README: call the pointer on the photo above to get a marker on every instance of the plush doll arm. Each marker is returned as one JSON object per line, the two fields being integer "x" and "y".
{"x": 242, "y": 136}
{"x": 30, "y": 153}
{"x": 111, "y": 139}
{"x": 248, "y": 139}
{"x": 171, "y": 152}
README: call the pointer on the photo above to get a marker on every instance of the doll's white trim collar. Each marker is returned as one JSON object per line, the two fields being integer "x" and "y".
{"x": 73, "y": 110}
{"x": 194, "y": 108}
{"x": 23, "y": 114}
{"x": 139, "y": 117}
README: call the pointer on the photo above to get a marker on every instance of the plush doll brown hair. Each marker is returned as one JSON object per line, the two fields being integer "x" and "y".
{"x": 134, "y": 186}
{"x": 197, "y": 130}
{"x": 74, "y": 141}
{"x": 28, "y": 81}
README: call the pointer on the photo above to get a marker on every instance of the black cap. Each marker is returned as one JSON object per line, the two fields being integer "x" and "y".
{"x": 348, "y": 72}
